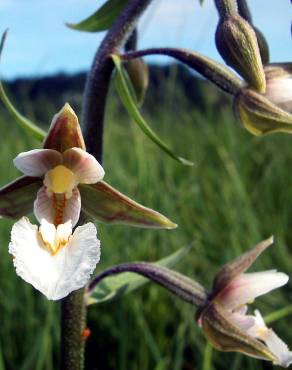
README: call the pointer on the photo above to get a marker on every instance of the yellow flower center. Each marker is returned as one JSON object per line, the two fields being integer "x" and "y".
{"x": 60, "y": 180}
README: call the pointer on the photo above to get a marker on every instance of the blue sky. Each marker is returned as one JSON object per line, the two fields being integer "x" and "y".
{"x": 39, "y": 43}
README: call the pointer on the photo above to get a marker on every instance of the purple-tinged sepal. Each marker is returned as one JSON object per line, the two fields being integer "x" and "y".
{"x": 259, "y": 115}
{"x": 17, "y": 197}
{"x": 104, "y": 203}
{"x": 65, "y": 132}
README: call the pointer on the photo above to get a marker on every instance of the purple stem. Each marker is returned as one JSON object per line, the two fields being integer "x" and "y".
{"x": 220, "y": 75}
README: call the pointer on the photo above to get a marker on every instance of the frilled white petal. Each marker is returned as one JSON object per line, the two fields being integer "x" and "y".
{"x": 85, "y": 167}
{"x": 44, "y": 207}
{"x": 272, "y": 341}
{"x": 82, "y": 255}
{"x": 246, "y": 287}
{"x": 37, "y": 162}
{"x": 54, "y": 275}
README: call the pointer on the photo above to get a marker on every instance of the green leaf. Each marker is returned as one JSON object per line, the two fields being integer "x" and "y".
{"x": 125, "y": 88}
{"x": 102, "y": 19}
{"x": 22, "y": 121}
{"x": 104, "y": 203}
{"x": 115, "y": 286}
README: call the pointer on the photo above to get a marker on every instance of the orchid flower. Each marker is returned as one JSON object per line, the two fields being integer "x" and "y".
{"x": 58, "y": 200}
{"x": 50, "y": 257}
{"x": 225, "y": 320}
{"x": 62, "y": 179}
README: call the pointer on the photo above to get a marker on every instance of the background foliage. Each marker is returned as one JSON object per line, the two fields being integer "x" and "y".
{"x": 237, "y": 194}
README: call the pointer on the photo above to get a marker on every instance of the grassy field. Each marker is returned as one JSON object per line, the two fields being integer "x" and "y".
{"x": 238, "y": 193}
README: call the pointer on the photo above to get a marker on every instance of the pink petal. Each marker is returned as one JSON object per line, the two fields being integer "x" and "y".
{"x": 37, "y": 162}
{"x": 84, "y": 166}
{"x": 44, "y": 207}
{"x": 246, "y": 287}
{"x": 73, "y": 207}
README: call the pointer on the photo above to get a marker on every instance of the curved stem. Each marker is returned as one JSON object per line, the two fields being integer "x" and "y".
{"x": 98, "y": 79}
{"x": 183, "y": 287}
{"x": 220, "y": 75}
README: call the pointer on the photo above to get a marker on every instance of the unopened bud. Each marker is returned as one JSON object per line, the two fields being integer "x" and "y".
{"x": 237, "y": 43}
{"x": 271, "y": 112}
{"x": 259, "y": 115}
{"x": 139, "y": 76}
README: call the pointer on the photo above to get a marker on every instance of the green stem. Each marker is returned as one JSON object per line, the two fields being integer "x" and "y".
{"x": 207, "y": 361}
{"x": 73, "y": 318}
{"x": 279, "y": 314}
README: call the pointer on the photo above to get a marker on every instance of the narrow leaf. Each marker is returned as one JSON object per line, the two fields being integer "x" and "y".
{"x": 102, "y": 19}
{"x": 22, "y": 121}
{"x": 115, "y": 286}
{"x": 16, "y": 198}
{"x": 124, "y": 89}
{"x": 104, "y": 203}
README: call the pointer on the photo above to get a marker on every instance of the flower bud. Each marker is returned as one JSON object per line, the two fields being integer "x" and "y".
{"x": 139, "y": 76}
{"x": 260, "y": 115}
{"x": 237, "y": 43}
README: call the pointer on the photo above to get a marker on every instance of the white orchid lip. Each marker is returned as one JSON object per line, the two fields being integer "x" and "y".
{"x": 61, "y": 172}
{"x": 53, "y": 260}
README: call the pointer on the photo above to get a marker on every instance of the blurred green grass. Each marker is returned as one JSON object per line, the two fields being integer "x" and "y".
{"x": 238, "y": 193}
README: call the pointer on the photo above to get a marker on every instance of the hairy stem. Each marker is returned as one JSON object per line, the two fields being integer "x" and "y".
{"x": 183, "y": 287}
{"x": 73, "y": 318}
{"x": 98, "y": 79}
